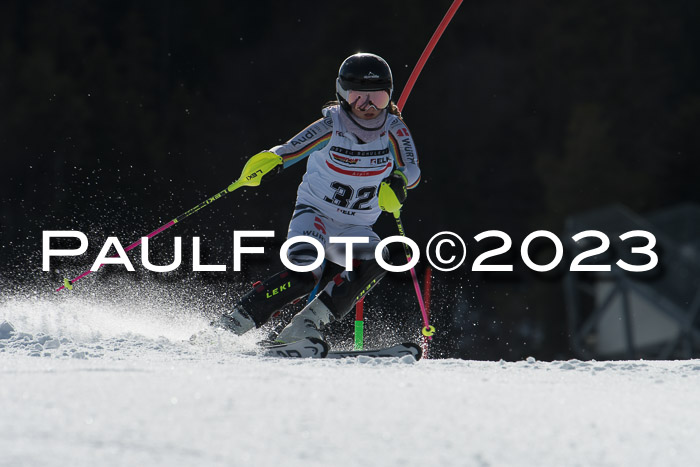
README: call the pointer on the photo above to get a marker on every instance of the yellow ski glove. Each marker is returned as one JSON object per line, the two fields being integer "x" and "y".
{"x": 262, "y": 164}
{"x": 393, "y": 192}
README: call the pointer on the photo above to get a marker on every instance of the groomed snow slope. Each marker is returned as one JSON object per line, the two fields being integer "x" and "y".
{"x": 128, "y": 388}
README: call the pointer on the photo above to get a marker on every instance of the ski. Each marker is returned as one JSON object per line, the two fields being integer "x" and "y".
{"x": 317, "y": 348}
{"x": 310, "y": 347}
{"x": 396, "y": 351}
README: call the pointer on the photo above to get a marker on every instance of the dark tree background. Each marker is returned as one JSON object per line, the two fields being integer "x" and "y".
{"x": 117, "y": 116}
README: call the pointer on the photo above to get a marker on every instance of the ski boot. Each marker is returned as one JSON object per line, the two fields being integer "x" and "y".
{"x": 309, "y": 321}
{"x": 256, "y": 307}
{"x": 237, "y": 321}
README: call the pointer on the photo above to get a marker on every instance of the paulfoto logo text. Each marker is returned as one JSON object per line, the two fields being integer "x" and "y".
{"x": 445, "y": 251}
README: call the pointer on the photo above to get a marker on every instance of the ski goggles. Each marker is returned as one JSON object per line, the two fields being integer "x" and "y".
{"x": 362, "y": 100}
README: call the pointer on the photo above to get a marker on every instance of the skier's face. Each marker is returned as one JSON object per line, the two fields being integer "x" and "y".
{"x": 367, "y": 104}
{"x": 367, "y": 114}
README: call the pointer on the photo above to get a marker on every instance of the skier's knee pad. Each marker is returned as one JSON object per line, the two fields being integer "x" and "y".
{"x": 348, "y": 287}
{"x": 275, "y": 292}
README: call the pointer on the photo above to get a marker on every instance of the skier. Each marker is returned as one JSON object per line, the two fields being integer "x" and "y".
{"x": 361, "y": 159}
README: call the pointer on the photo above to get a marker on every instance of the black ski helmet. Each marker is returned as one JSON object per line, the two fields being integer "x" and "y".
{"x": 363, "y": 72}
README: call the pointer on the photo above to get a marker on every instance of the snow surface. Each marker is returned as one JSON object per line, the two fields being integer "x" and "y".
{"x": 92, "y": 383}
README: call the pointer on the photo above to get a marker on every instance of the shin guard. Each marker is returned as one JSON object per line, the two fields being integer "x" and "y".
{"x": 348, "y": 287}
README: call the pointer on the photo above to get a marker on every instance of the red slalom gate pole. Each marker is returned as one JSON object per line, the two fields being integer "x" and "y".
{"x": 426, "y": 53}
{"x": 359, "y": 325}
{"x": 428, "y": 330}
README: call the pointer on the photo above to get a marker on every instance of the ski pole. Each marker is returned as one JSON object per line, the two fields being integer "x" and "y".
{"x": 427, "y": 330}
{"x": 426, "y": 297}
{"x": 257, "y": 166}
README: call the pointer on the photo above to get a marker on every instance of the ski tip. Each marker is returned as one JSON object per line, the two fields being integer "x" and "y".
{"x": 415, "y": 349}
{"x": 400, "y": 351}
